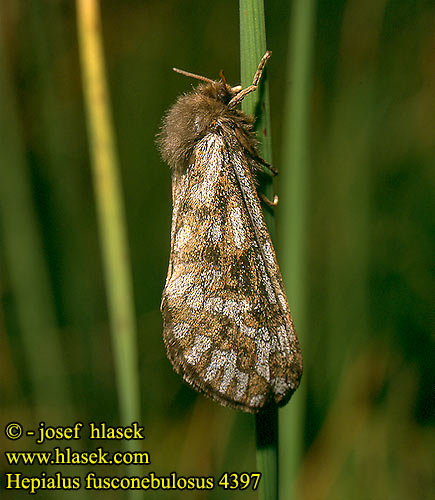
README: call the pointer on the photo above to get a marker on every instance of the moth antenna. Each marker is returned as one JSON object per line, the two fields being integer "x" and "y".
{"x": 222, "y": 76}
{"x": 192, "y": 75}
{"x": 236, "y": 100}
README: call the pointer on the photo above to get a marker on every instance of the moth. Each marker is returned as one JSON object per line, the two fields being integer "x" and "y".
{"x": 228, "y": 330}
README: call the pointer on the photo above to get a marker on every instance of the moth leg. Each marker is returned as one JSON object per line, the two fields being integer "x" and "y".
{"x": 238, "y": 98}
{"x": 266, "y": 200}
{"x": 266, "y": 164}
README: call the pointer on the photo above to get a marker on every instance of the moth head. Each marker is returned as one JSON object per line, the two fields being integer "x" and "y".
{"x": 222, "y": 92}
{"x": 214, "y": 89}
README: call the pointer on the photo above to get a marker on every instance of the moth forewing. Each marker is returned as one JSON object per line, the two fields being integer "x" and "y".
{"x": 227, "y": 326}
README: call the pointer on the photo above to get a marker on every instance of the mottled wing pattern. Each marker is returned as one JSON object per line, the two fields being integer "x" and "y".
{"x": 227, "y": 327}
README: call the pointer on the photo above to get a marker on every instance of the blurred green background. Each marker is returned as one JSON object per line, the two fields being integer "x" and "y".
{"x": 367, "y": 424}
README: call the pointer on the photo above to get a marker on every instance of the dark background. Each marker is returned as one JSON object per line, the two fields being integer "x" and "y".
{"x": 367, "y": 428}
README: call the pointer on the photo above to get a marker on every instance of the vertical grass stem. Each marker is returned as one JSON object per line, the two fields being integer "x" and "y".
{"x": 252, "y": 48}
{"x": 294, "y": 187}
{"x": 110, "y": 209}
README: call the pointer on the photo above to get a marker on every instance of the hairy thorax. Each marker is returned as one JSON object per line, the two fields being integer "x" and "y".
{"x": 196, "y": 114}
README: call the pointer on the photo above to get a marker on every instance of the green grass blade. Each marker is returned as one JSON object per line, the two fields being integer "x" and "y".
{"x": 252, "y": 48}
{"x": 294, "y": 187}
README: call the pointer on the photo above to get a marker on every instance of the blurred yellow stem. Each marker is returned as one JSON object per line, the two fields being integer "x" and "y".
{"x": 110, "y": 209}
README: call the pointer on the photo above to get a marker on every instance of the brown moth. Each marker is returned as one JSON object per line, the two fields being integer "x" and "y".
{"x": 228, "y": 330}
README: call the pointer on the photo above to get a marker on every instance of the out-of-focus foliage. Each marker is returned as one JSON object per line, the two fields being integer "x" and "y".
{"x": 368, "y": 352}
